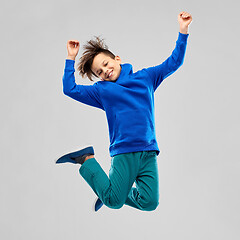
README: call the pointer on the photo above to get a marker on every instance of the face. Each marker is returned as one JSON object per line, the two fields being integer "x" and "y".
{"x": 106, "y": 68}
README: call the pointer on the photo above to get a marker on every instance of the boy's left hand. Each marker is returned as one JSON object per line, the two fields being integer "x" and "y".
{"x": 184, "y": 20}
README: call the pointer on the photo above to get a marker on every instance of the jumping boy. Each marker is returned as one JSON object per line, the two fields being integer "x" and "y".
{"x": 128, "y": 100}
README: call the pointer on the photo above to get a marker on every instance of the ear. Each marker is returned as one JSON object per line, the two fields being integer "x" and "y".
{"x": 118, "y": 59}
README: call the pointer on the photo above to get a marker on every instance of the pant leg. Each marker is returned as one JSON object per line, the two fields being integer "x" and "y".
{"x": 145, "y": 196}
{"x": 113, "y": 190}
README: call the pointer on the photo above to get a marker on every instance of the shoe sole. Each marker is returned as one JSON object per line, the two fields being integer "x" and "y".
{"x": 67, "y": 157}
{"x": 97, "y": 204}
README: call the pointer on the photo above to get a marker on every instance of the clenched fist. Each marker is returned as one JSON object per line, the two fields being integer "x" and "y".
{"x": 184, "y": 20}
{"x": 72, "y": 48}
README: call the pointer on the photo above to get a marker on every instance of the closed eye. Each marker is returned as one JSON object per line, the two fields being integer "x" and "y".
{"x": 99, "y": 72}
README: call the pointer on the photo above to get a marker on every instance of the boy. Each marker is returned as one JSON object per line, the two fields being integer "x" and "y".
{"x": 128, "y": 100}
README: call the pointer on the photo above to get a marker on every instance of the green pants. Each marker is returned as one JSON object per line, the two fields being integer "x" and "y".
{"x": 117, "y": 189}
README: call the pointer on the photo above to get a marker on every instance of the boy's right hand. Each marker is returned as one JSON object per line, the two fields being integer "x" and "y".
{"x": 72, "y": 48}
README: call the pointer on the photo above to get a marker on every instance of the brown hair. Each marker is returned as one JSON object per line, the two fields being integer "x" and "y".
{"x": 91, "y": 49}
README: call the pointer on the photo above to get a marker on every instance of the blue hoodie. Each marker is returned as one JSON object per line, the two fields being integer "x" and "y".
{"x": 128, "y": 102}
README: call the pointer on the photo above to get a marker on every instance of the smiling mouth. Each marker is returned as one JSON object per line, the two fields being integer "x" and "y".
{"x": 110, "y": 74}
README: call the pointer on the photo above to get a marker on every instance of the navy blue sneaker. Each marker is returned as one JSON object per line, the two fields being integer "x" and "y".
{"x": 98, "y": 204}
{"x": 76, "y": 157}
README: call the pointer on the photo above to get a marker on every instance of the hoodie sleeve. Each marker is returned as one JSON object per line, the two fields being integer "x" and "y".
{"x": 87, "y": 94}
{"x": 171, "y": 64}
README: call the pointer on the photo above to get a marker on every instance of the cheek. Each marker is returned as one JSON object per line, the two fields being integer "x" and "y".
{"x": 111, "y": 66}
{"x": 118, "y": 68}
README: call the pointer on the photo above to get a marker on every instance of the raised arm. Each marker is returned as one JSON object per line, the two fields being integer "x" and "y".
{"x": 175, "y": 60}
{"x": 82, "y": 93}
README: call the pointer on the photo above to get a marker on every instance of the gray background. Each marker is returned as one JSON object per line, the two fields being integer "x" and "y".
{"x": 197, "y": 120}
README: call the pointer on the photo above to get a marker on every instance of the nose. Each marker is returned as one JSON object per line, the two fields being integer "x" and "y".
{"x": 105, "y": 71}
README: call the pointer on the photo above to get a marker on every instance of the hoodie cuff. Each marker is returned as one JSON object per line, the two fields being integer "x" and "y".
{"x": 182, "y": 37}
{"x": 69, "y": 64}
